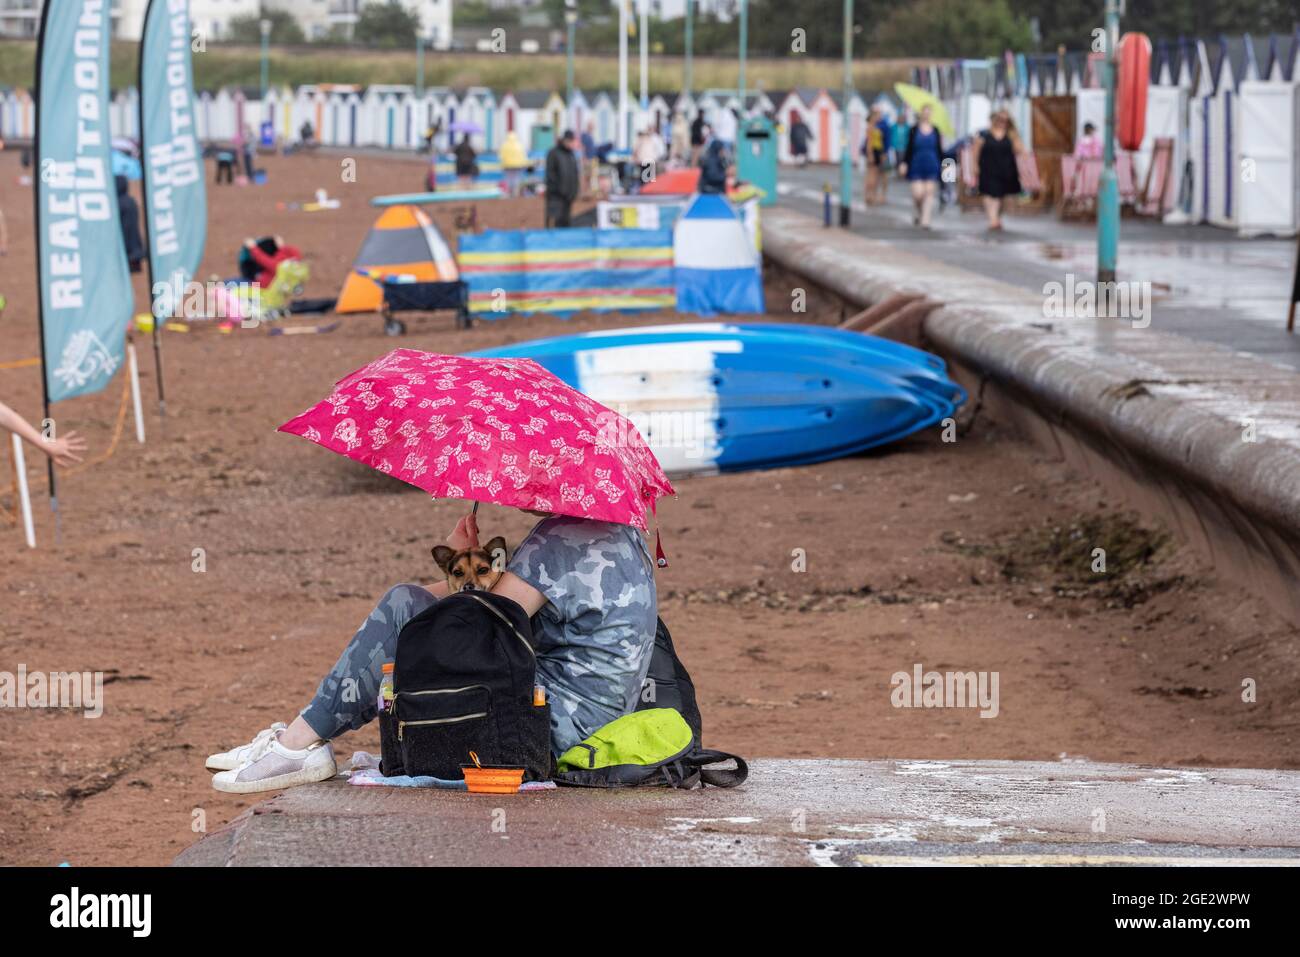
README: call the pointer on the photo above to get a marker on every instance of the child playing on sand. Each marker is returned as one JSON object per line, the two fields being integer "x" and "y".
{"x": 268, "y": 262}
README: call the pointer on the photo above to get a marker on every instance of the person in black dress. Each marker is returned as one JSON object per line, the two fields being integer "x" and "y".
{"x": 995, "y": 158}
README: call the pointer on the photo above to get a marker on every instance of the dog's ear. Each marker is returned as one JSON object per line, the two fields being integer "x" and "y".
{"x": 442, "y": 555}
{"x": 496, "y": 550}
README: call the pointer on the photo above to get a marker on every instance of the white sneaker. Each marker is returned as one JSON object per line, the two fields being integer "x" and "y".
{"x": 229, "y": 760}
{"x": 272, "y": 766}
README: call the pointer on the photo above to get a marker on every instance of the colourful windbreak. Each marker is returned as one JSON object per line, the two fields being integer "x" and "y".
{"x": 567, "y": 270}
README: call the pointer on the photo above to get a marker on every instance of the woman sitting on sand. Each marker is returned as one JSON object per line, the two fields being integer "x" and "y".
{"x": 589, "y": 588}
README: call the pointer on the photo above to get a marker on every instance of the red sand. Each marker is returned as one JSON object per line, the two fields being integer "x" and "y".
{"x": 931, "y": 553}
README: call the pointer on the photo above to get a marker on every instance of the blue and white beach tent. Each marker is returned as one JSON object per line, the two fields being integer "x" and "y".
{"x": 717, "y": 268}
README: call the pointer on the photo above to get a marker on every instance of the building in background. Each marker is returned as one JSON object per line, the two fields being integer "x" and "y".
{"x": 20, "y": 18}
{"x": 315, "y": 17}
{"x": 318, "y": 18}
{"x": 435, "y": 17}
{"x": 211, "y": 18}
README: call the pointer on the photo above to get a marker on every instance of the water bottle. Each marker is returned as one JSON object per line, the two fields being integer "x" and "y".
{"x": 386, "y": 688}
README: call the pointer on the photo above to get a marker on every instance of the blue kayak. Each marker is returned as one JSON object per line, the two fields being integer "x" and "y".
{"x": 722, "y": 397}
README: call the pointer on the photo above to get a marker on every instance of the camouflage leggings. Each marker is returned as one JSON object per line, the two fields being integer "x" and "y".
{"x": 346, "y": 698}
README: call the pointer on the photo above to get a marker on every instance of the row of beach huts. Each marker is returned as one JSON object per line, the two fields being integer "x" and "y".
{"x": 396, "y": 117}
{"x": 1223, "y": 114}
{"x": 1228, "y": 109}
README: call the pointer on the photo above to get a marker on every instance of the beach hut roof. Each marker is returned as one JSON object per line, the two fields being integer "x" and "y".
{"x": 837, "y": 97}
{"x": 1282, "y": 49}
{"x": 1164, "y": 54}
{"x": 532, "y": 99}
{"x": 778, "y": 97}
{"x": 1240, "y": 52}
{"x": 1216, "y": 54}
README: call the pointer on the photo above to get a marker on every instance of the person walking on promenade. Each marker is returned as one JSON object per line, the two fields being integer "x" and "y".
{"x": 922, "y": 165}
{"x": 800, "y": 136}
{"x": 875, "y": 149}
{"x": 996, "y": 150}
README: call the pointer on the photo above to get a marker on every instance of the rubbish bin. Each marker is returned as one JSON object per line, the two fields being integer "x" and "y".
{"x": 756, "y": 157}
{"x": 543, "y": 138}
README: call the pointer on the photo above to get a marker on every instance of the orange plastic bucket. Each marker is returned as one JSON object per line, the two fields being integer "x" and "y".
{"x": 492, "y": 779}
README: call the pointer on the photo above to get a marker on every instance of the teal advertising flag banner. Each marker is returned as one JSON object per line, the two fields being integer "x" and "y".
{"x": 82, "y": 270}
{"x": 175, "y": 201}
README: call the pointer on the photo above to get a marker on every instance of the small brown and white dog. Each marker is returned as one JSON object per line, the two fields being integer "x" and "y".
{"x": 472, "y": 569}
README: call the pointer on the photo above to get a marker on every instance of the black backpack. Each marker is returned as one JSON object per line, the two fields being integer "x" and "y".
{"x": 463, "y": 681}
{"x": 667, "y": 684}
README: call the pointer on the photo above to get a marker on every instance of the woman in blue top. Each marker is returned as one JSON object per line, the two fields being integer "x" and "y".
{"x": 922, "y": 165}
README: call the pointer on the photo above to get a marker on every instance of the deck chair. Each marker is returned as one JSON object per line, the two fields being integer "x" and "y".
{"x": 1080, "y": 179}
{"x": 1124, "y": 173}
{"x": 1154, "y": 192}
{"x": 1027, "y": 167}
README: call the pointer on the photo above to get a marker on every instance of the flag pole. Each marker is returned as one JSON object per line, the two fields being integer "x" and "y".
{"x": 24, "y": 496}
{"x": 135, "y": 390}
{"x": 40, "y": 283}
{"x": 144, "y": 206}
{"x": 621, "y": 141}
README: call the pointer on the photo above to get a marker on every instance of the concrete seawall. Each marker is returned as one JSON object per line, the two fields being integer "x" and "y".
{"x": 1205, "y": 438}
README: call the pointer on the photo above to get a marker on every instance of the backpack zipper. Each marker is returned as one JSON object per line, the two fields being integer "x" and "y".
{"x": 401, "y": 725}
{"x": 416, "y": 694}
{"x": 506, "y": 621}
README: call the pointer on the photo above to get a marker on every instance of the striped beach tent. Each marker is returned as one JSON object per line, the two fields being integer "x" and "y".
{"x": 716, "y": 265}
{"x": 567, "y": 270}
{"x": 403, "y": 241}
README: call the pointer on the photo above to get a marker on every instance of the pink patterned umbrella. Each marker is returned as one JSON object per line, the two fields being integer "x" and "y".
{"x": 492, "y": 430}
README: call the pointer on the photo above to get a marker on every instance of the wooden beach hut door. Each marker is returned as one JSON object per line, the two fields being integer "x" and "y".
{"x": 1052, "y": 126}
{"x": 1267, "y": 143}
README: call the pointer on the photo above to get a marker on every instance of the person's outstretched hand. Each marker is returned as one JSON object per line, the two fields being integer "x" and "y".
{"x": 64, "y": 450}
{"x": 465, "y": 534}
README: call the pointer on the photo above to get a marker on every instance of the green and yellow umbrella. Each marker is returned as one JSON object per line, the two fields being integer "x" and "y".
{"x": 917, "y": 98}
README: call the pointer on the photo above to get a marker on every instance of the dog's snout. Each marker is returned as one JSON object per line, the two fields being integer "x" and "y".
{"x": 469, "y": 586}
